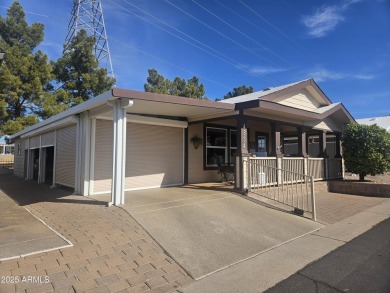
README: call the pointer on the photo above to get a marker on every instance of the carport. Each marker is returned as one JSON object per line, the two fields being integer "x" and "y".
{"x": 205, "y": 229}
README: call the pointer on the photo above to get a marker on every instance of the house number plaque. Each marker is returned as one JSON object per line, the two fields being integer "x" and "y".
{"x": 244, "y": 141}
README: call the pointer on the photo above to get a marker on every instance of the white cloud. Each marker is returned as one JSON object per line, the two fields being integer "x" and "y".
{"x": 364, "y": 76}
{"x": 323, "y": 21}
{"x": 265, "y": 70}
{"x": 324, "y": 75}
{"x": 260, "y": 70}
{"x": 326, "y": 18}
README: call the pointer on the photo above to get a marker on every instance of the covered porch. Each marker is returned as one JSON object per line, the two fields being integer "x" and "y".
{"x": 294, "y": 143}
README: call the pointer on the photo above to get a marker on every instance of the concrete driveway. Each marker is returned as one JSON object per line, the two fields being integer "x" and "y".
{"x": 206, "y": 230}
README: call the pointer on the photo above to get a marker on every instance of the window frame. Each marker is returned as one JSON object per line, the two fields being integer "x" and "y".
{"x": 267, "y": 142}
{"x": 215, "y": 147}
{"x": 229, "y": 148}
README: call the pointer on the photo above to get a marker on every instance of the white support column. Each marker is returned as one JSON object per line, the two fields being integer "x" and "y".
{"x": 92, "y": 156}
{"x": 85, "y": 153}
{"x": 54, "y": 160}
{"x": 119, "y": 150}
{"x": 77, "y": 187}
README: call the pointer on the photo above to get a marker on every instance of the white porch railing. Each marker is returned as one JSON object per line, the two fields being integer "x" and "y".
{"x": 288, "y": 187}
{"x": 316, "y": 168}
{"x": 295, "y": 165}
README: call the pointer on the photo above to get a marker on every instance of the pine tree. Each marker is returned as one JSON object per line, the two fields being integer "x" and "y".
{"x": 24, "y": 72}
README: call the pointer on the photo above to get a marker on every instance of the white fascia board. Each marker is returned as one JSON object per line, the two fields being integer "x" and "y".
{"x": 52, "y": 126}
{"x": 96, "y": 101}
{"x": 156, "y": 121}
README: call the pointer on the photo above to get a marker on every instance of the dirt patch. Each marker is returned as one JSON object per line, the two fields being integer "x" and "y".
{"x": 377, "y": 179}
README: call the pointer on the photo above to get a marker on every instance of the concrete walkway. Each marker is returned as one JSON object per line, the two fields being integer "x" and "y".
{"x": 265, "y": 270}
{"x": 361, "y": 265}
{"x": 22, "y": 234}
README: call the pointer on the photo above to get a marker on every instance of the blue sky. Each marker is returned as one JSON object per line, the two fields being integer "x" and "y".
{"x": 343, "y": 45}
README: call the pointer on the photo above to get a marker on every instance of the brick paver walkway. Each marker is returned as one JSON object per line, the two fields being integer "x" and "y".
{"x": 111, "y": 253}
{"x": 334, "y": 207}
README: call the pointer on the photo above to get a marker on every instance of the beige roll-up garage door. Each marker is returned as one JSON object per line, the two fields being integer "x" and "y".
{"x": 48, "y": 139}
{"x": 103, "y": 157}
{"x": 66, "y": 156}
{"x": 154, "y": 156}
{"x": 35, "y": 142}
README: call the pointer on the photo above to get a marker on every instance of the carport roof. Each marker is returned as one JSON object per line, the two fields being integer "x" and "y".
{"x": 145, "y": 103}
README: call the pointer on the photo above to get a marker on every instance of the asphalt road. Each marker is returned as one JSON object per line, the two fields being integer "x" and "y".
{"x": 362, "y": 265}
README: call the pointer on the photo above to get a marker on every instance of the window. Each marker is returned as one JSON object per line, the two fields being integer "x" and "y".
{"x": 261, "y": 143}
{"x": 221, "y": 145}
{"x": 216, "y": 146}
{"x": 233, "y": 145}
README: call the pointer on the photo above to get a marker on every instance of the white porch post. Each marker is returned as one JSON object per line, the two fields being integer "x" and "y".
{"x": 240, "y": 176}
{"x": 85, "y": 148}
{"x": 77, "y": 180}
{"x": 119, "y": 150}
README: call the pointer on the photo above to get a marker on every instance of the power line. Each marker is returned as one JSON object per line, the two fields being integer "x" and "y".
{"x": 239, "y": 31}
{"x": 270, "y": 24}
{"x": 156, "y": 25}
{"x": 185, "y": 34}
{"x": 251, "y": 23}
{"x": 218, "y": 32}
{"x": 237, "y": 66}
{"x": 170, "y": 63}
{"x": 42, "y": 15}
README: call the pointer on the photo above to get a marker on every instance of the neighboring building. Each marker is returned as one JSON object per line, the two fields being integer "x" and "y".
{"x": 6, "y": 149}
{"x": 383, "y": 122}
{"x": 125, "y": 140}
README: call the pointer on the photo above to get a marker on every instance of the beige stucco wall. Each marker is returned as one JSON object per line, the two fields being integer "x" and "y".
{"x": 196, "y": 174}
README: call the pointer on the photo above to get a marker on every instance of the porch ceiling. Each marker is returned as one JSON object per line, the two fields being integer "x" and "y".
{"x": 278, "y": 110}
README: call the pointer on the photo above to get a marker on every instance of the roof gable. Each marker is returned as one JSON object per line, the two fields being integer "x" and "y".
{"x": 300, "y": 100}
{"x": 306, "y": 90}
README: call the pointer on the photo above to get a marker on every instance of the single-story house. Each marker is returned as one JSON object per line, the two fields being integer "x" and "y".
{"x": 125, "y": 140}
{"x": 383, "y": 122}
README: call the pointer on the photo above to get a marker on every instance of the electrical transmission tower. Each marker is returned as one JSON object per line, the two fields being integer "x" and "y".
{"x": 88, "y": 15}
